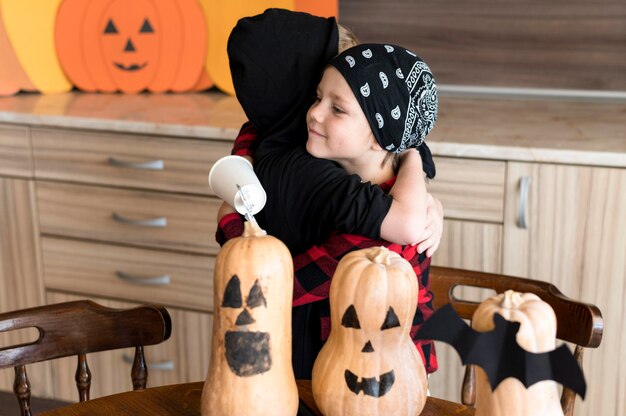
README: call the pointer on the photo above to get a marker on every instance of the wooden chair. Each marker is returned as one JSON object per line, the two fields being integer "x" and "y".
{"x": 577, "y": 322}
{"x": 78, "y": 328}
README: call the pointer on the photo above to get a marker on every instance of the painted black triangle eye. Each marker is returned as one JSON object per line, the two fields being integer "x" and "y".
{"x": 391, "y": 320}
{"x": 256, "y": 298}
{"x": 350, "y": 319}
{"x": 232, "y": 294}
{"x": 110, "y": 28}
{"x": 146, "y": 27}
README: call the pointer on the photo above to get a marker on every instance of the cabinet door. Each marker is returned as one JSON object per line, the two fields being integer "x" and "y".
{"x": 472, "y": 194}
{"x": 470, "y": 245}
{"x": 21, "y": 283}
{"x": 464, "y": 245}
{"x": 183, "y": 358}
{"x": 576, "y": 239}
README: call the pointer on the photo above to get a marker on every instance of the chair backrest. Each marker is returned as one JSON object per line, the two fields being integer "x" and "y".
{"x": 78, "y": 328}
{"x": 577, "y": 322}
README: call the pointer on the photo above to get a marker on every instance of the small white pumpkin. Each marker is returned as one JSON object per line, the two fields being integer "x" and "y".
{"x": 537, "y": 333}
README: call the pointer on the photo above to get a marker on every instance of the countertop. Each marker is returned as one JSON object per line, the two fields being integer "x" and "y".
{"x": 533, "y": 129}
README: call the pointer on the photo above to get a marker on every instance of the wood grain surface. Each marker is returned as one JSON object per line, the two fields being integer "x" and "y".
{"x": 568, "y": 44}
{"x": 184, "y": 400}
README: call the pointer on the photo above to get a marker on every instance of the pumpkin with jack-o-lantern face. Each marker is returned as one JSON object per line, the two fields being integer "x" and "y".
{"x": 250, "y": 369}
{"x": 131, "y": 46}
{"x": 369, "y": 364}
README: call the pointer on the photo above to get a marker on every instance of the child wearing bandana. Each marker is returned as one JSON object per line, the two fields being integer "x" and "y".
{"x": 373, "y": 101}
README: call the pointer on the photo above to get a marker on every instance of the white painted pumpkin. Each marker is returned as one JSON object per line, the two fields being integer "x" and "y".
{"x": 537, "y": 333}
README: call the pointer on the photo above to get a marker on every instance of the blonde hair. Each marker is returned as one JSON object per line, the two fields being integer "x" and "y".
{"x": 394, "y": 159}
{"x": 347, "y": 38}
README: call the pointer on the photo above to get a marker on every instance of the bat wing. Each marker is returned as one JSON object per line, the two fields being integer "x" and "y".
{"x": 498, "y": 353}
{"x": 500, "y": 356}
{"x": 559, "y": 365}
{"x": 445, "y": 325}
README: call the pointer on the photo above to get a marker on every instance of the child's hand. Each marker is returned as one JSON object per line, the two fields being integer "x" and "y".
{"x": 431, "y": 237}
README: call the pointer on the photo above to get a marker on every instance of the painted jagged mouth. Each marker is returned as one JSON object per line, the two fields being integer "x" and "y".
{"x": 248, "y": 353}
{"x": 370, "y": 386}
{"x": 132, "y": 67}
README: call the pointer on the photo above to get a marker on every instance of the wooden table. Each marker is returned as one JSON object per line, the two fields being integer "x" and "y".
{"x": 184, "y": 400}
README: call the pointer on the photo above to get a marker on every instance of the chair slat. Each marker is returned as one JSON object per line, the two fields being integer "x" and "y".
{"x": 139, "y": 371}
{"x": 21, "y": 387}
{"x": 83, "y": 378}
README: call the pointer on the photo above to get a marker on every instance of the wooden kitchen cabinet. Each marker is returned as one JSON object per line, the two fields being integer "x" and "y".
{"x": 472, "y": 194}
{"x": 138, "y": 230}
{"x": 575, "y": 238}
{"x": 21, "y": 281}
{"x": 123, "y": 219}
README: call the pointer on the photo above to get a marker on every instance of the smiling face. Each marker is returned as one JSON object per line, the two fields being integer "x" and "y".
{"x": 338, "y": 128}
{"x": 370, "y": 386}
{"x": 131, "y": 41}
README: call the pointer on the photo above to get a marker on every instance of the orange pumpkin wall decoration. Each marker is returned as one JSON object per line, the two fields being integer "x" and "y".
{"x": 12, "y": 76}
{"x": 132, "y": 46}
{"x": 222, "y": 16}
{"x": 369, "y": 365}
{"x": 326, "y": 8}
{"x": 29, "y": 26}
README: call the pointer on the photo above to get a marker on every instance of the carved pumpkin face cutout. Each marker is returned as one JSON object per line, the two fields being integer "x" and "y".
{"x": 247, "y": 352}
{"x": 131, "y": 41}
{"x": 369, "y": 363}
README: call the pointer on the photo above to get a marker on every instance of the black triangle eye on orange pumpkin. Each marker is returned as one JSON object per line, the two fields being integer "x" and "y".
{"x": 350, "y": 319}
{"x": 128, "y": 45}
{"x": 130, "y": 41}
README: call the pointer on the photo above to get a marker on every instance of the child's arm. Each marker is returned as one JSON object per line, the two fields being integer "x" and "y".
{"x": 407, "y": 218}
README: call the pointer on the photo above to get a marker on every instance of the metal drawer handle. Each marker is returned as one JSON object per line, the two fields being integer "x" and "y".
{"x": 161, "y": 365}
{"x": 150, "y": 165}
{"x": 160, "y": 222}
{"x": 144, "y": 280}
{"x": 524, "y": 186}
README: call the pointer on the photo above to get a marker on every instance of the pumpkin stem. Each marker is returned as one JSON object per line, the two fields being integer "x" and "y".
{"x": 252, "y": 229}
{"x": 511, "y": 299}
{"x": 379, "y": 255}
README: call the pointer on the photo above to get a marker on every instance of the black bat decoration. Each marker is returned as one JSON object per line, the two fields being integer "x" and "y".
{"x": 499, "y": 354}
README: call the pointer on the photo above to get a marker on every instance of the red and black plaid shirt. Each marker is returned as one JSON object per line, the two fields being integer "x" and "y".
{"x": 315, "y": 268}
